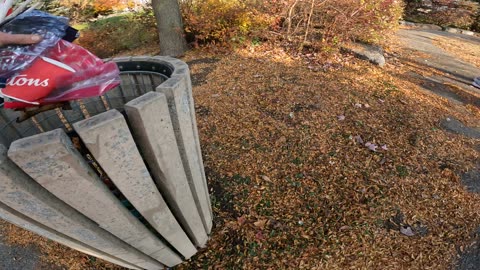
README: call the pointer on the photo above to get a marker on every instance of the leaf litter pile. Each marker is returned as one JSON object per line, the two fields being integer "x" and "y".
{"x": 321, "y": 168}
{"x": 335, "y": 165}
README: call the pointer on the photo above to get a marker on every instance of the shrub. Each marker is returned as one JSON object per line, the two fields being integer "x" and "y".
{"x": 476, "y": 24}
{"x": 318, "y": 23}
{"x": 455, "y": 13}
{"x": 113, "y": 35}
{"x": 83, "y": 10}
{"x": 220, "y": 21}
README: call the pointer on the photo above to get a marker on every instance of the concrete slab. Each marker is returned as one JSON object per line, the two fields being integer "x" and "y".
{"x": 184, "y": 71}
{"x": 176, "y": 91}
{"x": 108, "y": 138}
{"x": 181, "y": 69}
{"x": 19, "y": 192}
{"x": 152, "y": 128}
{"x": 51, "y": 160}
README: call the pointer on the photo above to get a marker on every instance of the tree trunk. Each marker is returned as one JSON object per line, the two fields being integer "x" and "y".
{"x": 170, "y": 27}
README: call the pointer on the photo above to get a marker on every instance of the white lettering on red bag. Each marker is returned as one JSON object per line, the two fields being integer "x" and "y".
{"x": 21, "y": 80}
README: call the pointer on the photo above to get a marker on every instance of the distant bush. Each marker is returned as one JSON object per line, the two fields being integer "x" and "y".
{"x": 312, "y": 22}
{"x": 83, "y": 10}
{"x": 113, "y": 35}
{"x": 316, "y": 24}
{"x": 455, "y": 13}
{"x": 328, "y": 22}
{"x": 221, "y": 21}
{"x": 476, "y": 24}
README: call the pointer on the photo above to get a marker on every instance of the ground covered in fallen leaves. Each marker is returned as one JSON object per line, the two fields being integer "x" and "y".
{"x": 338, "y": 165}
{"x": 316, "y": 164}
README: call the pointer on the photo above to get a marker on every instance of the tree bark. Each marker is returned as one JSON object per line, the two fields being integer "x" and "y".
{"x": 170, "y": 27}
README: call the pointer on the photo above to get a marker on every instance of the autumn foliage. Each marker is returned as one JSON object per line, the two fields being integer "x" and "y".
{"x": 454, "y": 13}
{"x": 318, "y": 25}
{"x": 304, "y": 22}
{"x": 82, "y": 10}
{"x": 119, "y": 33}
{"x": 332, "y": 21}
{"x": 221, "y": 21}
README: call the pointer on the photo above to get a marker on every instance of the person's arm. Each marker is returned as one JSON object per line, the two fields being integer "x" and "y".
{"x": 8, "y": 39}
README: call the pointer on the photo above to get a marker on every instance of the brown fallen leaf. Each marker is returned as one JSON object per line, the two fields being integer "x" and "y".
{"x": 260, "y": 223}
{"x": 266, "y": 178}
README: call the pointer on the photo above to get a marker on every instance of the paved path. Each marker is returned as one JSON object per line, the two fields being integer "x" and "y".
{"x": 452, "y": 71}
{"x": 18, "y": 258}
{"x": 459, "y": 73}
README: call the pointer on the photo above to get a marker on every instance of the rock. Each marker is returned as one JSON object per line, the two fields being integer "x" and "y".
{"x": 406, "y": 23}
{"x": 424, "y": 10}
{"x": 442, "y": 8}
{"x": 372, "y": 53}
{"x": 459, "y": 31}
{"x": 428, "y": 26}
{"x": 468, "y": 33}
{"x": 451, "y": 30}
{"x": 426, "y": 3}
{"x": 421, "y": 25}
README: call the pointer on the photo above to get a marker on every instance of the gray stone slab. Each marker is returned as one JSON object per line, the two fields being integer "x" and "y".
{"x": 51, "y": 160}
{"x": 176, "y": 91}
{"x": 468, "y": 33}
{"x": 108, "y": 138}
{"x": 22, "y": 221}
{"x": 152, "y": 128}
{"x": 19, "y": 192}
{"x": 183, "y": 70}
{"x": 452, "y": 125}
{"x": 452, "y": 30}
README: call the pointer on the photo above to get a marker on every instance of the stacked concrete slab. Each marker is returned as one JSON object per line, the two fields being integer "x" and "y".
{"x": 131, "y": 189}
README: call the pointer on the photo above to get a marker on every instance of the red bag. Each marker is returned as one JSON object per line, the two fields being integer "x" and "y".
{"x": 66, "y": 72}
{"x": 37, "y": 81}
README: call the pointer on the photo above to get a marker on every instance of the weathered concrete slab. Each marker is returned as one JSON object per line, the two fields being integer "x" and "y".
{"x": 19, "y": 192}
{"x": 176, "y": 91}
{"x": 183, "y": 70}
{"x": 51, "y": 160}
{"x": 22, "y": 221}
{"x": 108, "y": 138}
{"x": 152, "y": 128}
